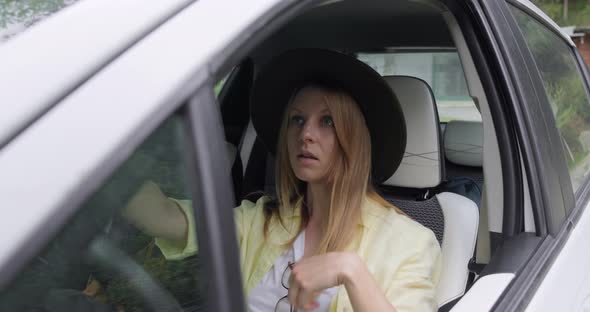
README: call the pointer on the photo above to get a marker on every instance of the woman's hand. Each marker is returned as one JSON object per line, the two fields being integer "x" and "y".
{"x": 310, "y": 276}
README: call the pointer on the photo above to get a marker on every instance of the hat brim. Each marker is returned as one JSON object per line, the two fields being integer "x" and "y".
{"x": 278, "y": 81}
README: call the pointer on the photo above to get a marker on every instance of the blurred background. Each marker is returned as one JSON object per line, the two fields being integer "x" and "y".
{"x": 573, "y": 16}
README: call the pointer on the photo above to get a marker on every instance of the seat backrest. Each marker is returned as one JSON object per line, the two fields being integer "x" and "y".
{"x": 422, "y": 168}
{"x": 463, "y": 146}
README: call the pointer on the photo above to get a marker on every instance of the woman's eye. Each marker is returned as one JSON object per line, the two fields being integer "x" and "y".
{"x": 296, "y": 121}
{"x": 327, "y": 121}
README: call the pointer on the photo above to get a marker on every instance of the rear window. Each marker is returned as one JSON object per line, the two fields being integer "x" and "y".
{"x": 442, "y": 70}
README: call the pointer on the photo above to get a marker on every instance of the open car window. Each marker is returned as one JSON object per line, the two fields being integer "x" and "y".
{"x": 100, "y": 261}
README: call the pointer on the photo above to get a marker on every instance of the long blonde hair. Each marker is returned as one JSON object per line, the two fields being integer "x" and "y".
{"x": 350, "y": 175}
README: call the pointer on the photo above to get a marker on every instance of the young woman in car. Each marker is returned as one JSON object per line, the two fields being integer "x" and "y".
{"x": 328, "y": 242}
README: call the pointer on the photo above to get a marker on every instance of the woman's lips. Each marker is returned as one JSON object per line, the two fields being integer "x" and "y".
{"x": 306, "y": 158}
{"x": 307, "y": 154}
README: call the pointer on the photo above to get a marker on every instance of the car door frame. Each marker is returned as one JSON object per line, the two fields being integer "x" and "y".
{"x": 195, "y": 102}
{"x": 533, "y": 123}
{"x": 575, "y": 203}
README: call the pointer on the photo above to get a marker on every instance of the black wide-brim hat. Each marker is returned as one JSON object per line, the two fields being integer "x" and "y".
{"x": 294, "y": 69}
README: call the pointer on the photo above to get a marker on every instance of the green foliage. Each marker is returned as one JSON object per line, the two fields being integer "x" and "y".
{"x": 578, "y": 12}
{"x": 563, "y": 85}
{"x": 28, "y": 11}
{"x": 553, "y": 10}
{"x": 219, "y": 86}
{"x": 572, "y": 113}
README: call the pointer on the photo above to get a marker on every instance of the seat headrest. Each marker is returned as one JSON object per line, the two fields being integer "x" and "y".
{"x": 464, "y": 143}
{"x": 421, "y": 166}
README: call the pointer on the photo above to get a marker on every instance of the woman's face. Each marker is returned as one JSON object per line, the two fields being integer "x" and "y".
{"x": 311, "y": 138}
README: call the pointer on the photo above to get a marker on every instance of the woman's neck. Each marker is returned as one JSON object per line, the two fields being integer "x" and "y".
{"x": 318, "y": 202}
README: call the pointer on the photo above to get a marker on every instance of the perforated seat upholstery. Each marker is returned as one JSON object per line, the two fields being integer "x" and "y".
{"x": 422, "y": 168}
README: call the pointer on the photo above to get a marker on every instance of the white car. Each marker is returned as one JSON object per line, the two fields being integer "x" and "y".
{"x": 106, "y": 94}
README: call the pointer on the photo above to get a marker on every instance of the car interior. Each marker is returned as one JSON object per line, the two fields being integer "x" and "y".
{"x": 444, "y": 182}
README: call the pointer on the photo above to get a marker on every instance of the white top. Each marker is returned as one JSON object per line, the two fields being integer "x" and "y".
{"x": 264, "y": 297}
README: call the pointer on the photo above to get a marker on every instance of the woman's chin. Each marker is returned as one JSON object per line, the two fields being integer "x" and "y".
{"x": 309, "y": 177}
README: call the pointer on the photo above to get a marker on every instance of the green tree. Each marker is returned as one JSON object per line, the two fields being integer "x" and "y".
{"x": 17, "y": 15}
{"x": 566, "y": 12}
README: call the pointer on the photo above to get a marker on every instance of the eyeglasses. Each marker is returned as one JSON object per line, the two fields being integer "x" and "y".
{"x": 285, "y": 284}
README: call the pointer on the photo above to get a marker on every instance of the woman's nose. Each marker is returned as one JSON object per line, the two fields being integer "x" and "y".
{"x": 308, "y": 132}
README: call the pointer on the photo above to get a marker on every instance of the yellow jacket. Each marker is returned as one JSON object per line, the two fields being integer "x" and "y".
{"x": 403, "y": 256}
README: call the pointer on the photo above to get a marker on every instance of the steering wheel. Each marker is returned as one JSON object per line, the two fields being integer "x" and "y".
{"x": 109, "y": 257}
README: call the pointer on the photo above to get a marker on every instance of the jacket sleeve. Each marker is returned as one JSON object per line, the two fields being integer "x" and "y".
{"x": 413, "y": 287}
{"x": 174, "y": 251}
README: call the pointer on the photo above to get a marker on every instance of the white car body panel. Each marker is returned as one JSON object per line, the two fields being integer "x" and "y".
{"x": 101, "y": 115}
{"x": 566, "y": 287}
{"x": 484, "y": 293}
{"x": 59, "y": 56}
{"x": 135, "y": 81}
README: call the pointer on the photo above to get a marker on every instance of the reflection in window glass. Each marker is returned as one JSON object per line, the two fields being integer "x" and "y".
{"x": 18, "y": 15}
{"x": 101, "y": 261}
{"x": 219, "y": 85}
{"x": 565, "y": 89}
{"x": 441, "y": 70}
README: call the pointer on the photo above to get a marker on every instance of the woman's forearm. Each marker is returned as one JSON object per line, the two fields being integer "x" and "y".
{"x": 155, "y": 214}
{"x": 362, "y": 289}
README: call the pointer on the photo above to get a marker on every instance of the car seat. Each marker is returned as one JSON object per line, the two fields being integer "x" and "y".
{"x": 452, "y": 217}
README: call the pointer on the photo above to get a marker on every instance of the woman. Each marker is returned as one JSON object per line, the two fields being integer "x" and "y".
{"x": 328, "y": 242}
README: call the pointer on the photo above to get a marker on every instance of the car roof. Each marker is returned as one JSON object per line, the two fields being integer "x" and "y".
{"x": 43, "y": 64}
{"x": 365, "y": 25}
{"x": 360, "y": 25}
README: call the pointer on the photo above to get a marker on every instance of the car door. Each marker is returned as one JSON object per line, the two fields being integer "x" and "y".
{"x": 533, "y": 169}
{"x": 565, "y": 86}
{"x": 150, "y": 114}
{"x": 525, "y": 43}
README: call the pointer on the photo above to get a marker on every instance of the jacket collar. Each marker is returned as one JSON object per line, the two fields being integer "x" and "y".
{"x": 281, "y": 233}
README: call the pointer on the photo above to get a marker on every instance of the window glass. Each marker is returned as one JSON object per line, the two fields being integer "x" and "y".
{"x": 565, "y": 90}
{"x": 441, "y": 70}
{"x": 18, "y": 15}
{"x": 101, "y": 261}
